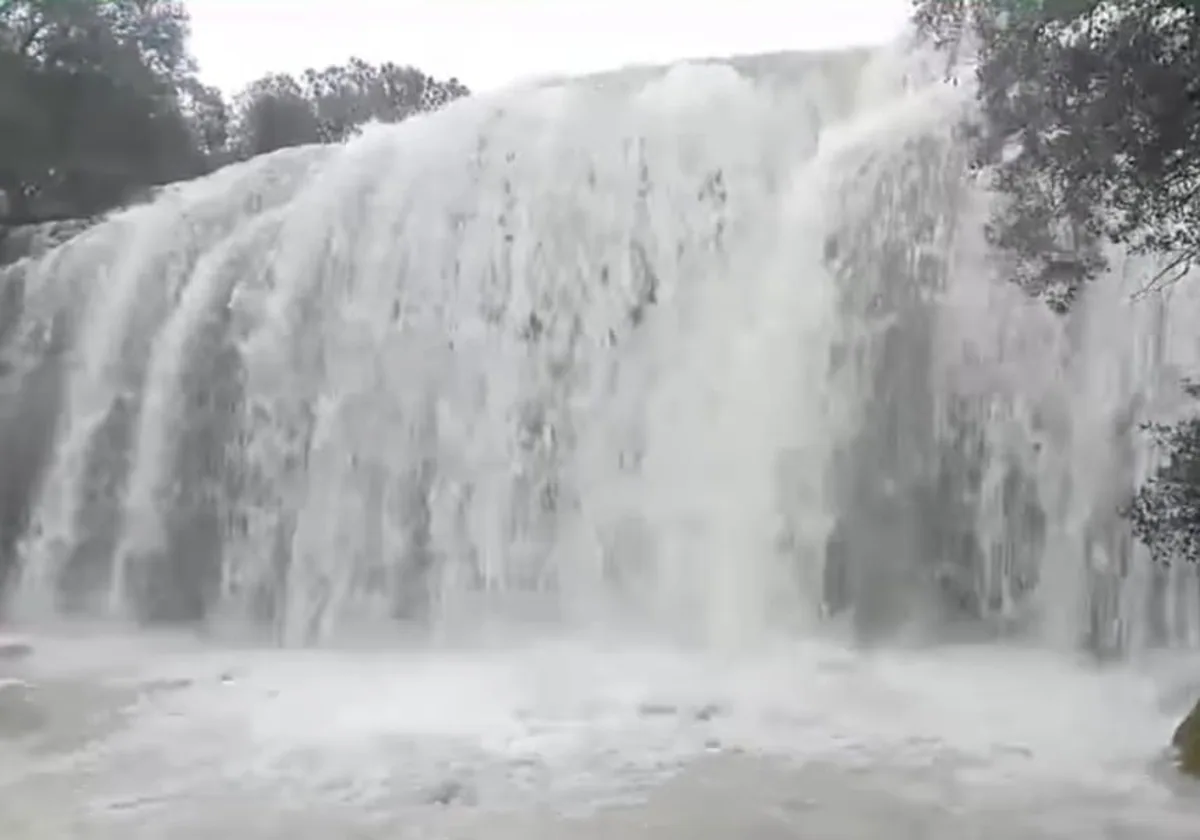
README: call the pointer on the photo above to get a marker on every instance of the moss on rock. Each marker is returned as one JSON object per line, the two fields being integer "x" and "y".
{"x": 1187, "y": 741}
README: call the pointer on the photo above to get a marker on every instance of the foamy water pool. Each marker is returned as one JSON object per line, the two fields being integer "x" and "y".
{"x": 158, "y": 738}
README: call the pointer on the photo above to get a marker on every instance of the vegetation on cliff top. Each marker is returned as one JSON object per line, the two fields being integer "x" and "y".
{"x": 99, "y": 101}
{"x": 1089, "y": 126}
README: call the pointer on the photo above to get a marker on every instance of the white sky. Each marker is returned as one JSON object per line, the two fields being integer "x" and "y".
{"x": 489, "y": 43}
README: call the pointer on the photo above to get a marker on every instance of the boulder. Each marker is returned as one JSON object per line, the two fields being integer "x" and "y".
{"x": 1187, "y": 742}
{"x": 12, "y": 649}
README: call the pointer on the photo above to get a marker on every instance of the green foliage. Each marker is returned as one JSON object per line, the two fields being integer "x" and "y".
{"x": 1166, "y": 511}
{"x": 88, "y": 101}
{"x": 1090, "y": 128}
{"x": 329, "y": 105}
{"x": 273, "y": 113}
{"x": 1090, "y": 112}
{"x": 100, "y": 100}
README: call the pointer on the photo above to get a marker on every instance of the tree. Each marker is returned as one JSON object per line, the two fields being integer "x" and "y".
{"x": 1089, "y": 114}
{"x": 331, "y": 105}
{"x": 209, "y": 117}
{"x": 89, "y": 103}
{"x": 1166, "y": 511}
{"x": 273, "y": 113}
{"x": 346, "y": 96}
{"x": 1090, "y": 126}
{"x": 99, "y": 100}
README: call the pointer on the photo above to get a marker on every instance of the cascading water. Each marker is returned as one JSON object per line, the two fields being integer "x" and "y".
{"x": 712, "y": 354}
{"x": 715, "y": 350}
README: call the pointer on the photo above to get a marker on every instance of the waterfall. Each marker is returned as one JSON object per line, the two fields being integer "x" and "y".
{"x": 715, "y": 351}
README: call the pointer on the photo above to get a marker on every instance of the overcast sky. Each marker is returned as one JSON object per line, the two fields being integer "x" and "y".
{"x": 489, "y": 43}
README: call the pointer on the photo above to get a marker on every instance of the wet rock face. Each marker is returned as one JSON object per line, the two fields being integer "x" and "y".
{"x": 1187, "y": 742}
{"x": 23, "y": 241}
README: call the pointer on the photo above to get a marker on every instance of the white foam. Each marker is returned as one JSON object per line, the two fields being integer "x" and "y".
{"x": 559, "y": 723}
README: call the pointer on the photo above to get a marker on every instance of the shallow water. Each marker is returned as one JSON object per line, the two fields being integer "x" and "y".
{"x": 163, "y": 737}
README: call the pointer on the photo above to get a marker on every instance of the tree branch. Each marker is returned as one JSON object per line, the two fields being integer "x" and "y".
{"x": 1181, "y": 264}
